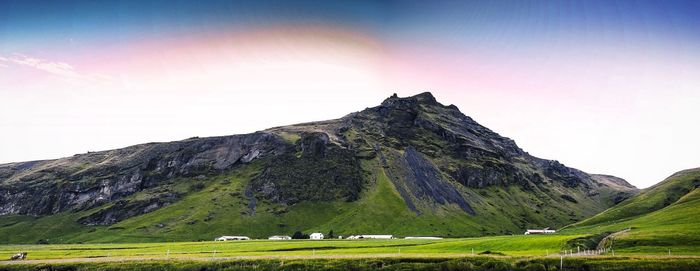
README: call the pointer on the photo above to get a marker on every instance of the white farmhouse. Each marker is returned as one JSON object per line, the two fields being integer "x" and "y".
{"x": 279, "y": 237}
{"x": 231, "y": 238}
{"x": 542, "y": 231}
{"x": 316, "y": 236}
{"x": 371, "y": 236}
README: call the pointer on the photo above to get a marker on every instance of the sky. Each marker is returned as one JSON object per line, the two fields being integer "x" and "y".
{"x": 608, "y": 87}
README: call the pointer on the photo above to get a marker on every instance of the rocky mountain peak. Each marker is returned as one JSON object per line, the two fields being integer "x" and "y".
{"x": 425, "y": 98}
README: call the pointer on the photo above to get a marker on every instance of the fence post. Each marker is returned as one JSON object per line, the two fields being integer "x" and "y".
{"x": 561, "y": 262}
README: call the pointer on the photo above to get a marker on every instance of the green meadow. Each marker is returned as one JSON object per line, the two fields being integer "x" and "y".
{"x": 509, "y": 248}
{"x": 489, "y": 253}
{"x": 518, "y": 245}
{"x": 498, "y": 245}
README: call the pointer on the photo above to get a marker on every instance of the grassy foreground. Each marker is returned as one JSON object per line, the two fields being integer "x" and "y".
{"x": 383, "y": 263}
{"x": 473, "y": 263}
{"x": 490, "y": 253}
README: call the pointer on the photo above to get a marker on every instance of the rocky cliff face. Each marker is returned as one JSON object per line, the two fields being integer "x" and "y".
{"x": 434, "y": 156}
{"x": 88, "y": 180}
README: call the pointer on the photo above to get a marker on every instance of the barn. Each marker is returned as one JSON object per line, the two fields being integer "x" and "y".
{"x": 542, "y": 231}
{"x": 372, "y": 236}
{"x": 279, "y": 237}
{"x": 231, "y": 238}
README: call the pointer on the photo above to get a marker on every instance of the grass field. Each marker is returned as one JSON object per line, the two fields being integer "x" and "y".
{"x": 519, "y": 246}
{"x": 517, "y": 252}
{"x": 490, "y": 253}
{"x": 507, "y": 245}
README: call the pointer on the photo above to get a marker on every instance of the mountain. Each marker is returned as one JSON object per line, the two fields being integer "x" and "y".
{"x": 664, "y": 216}
{"x": 410, "y": 166}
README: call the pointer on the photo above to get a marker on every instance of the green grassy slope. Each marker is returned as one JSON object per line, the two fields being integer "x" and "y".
{"x": 665, "y": 216}
{"x": 651, "y": 199}
{"x": 221, "y": 208}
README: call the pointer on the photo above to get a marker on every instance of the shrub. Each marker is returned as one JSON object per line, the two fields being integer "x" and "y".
{"x": 535, "y": 267}
{"x": 456, "y": 265}
{"x": 494, "y": 265}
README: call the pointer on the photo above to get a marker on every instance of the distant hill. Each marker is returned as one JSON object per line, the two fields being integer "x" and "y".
{"x": 674, "y": 188}
{"x": 410, "y": 166}
{"x": 664, "y": 216}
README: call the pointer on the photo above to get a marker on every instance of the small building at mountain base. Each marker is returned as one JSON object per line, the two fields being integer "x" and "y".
{"x": 231, "y": 238}
{"x": 542, "y": 231}
{"x": 279, "y": 237}
{"x": 371, "y": 236}
{"x": 316, "y": 236}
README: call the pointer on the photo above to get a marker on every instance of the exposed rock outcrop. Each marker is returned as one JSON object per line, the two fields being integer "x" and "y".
{"x": 88, "y": 180}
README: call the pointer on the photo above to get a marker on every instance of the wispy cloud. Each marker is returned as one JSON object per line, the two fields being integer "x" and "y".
{"x": 60, "y": 69}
